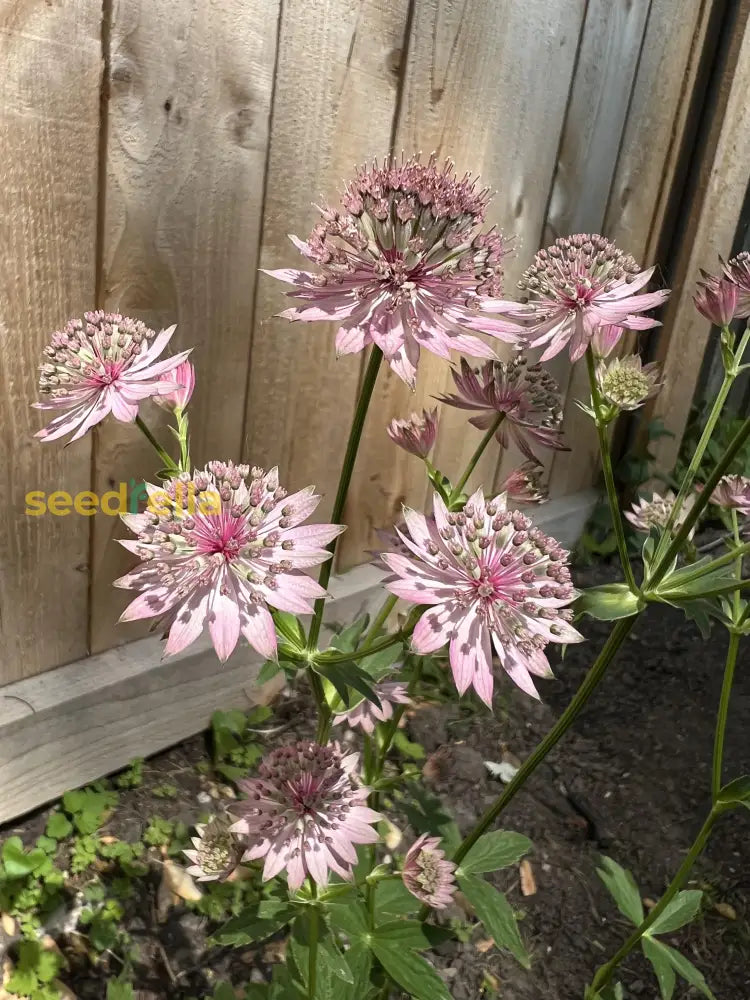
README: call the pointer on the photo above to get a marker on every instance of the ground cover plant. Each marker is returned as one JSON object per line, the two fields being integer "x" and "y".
{"x": 476, "y": 597}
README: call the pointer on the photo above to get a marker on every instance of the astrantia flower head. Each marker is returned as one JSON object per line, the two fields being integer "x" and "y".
{"x": 404, "y": 264}
{"x": 184, "y": 376}
{"x": 217, "y": 852}
{"x": 526, "y": 394}
{"x": 627, "y": 383}
{"x": 738, "y": 271}
{"x": 524, "y": 485}
{"x": 654, "y": 513}
{"x": 733, "y": 492}
{"x": 219, "y": 547}
{"x": 716, "y": 298}
{"x": 304, "y": 813}
{"x": 416, "y": 434}
{"x": 492, "y": 577}
{"x": 428, "y": 875}
{"x": 577, "y": 285}
{"x": 104, "y": 363}
{"x": 367, "y": 715}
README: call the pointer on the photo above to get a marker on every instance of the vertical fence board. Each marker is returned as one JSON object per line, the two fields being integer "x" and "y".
{"x": 473, "y": 91}
{"x": 647, "y": 167}
{"x": 711, "y": 230}
{"x": 334, "y": 101}
{"x": 191, "y": 85}
{"x": 49, "y": 124}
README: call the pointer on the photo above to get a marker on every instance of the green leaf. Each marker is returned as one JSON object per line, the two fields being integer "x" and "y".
{"x": 17, "y": 862}
{"x": 609, "y": 602}
{"x": 288, "y": 626}
{"x": 736, "y": 793}
{"x": 498, "y": 849}
{"x": 663, "y": 968}
{"x": 441, "y": 483}
{"x": 59, "y": 826}
{"x": 395, "y": 899}
{"x": 679, "y": 963}
{"x": 351, "y": 917}
{"x": 407, "y": 747}
{"x": 359, "y": 960}
{"x": 679, "y": 912}
{"x": 119, "y": 991}
{"x": 344, "y": 676}
{"x": 412, "y": 973}
{"x": 497, "y": 916}
{"x": 622, "y": 888}
{"x": 347, "y": 640}
{"x": 411, "y": 934}
{"x": 267, "y": 672}
{"x": 224, "y": 991}
{"x": 330, "y": 958}
{"x": 255, "y": 923}
{"x": 22, "y": 983}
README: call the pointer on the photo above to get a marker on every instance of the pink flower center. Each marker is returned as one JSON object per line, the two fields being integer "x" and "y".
{"x": 109, "y": 373}
{"x": 582, "y": 296}
{"x": 304, "y": 793}
{"x": 222, "y": 534}
{"x": 491, "y": 586}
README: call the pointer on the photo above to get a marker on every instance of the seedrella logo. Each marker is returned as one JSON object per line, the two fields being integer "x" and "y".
{"x": 127, "y": 498}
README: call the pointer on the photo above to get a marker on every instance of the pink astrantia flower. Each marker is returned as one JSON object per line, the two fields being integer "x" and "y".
{"x": 427, "y": 873}
{"x": 416, "y": 434}
{"x": 524, "y": 393}
{"x": 733, "y": 492}
{"x": 304, "y": 813}
{"x": 218, "y": 549}
{"x": 104, "y": 363}
{"x": 492, "y": 578}
{"x": 184, "y": 376}
{"x": 627, "y": 383}
{"x": 404, "y": 265}
{"x": 216, "y": 851}
{"x": 738, "y": 271}
{"x": 367, "y": 715}
{"x": 716, "y": 298}
{"x": 654, "y": 513}
{"x": 577, "y": 285}
{"x": 524, "y": 485}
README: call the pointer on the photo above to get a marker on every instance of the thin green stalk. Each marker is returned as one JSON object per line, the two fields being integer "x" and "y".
{"x": 609, "y": 475}
{"x": 686, "y": 487}
{"x": 457, "y": 489}
{"x": 380, "y": 619}
{"x": 168, "y": 462}
{"x": 347, "y": 468}
{"x": 718, "y": 563}
{"x": 323, "y": 712}
{"x": 566, "y": 720}
{"x": 605, "y": 973}
{"x": 365, "y": 649}
{"x": 721, "y": 720}
{"x": 312, "y": 968}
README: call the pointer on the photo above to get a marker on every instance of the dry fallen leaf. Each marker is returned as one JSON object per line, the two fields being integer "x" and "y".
{"x": 484, "y": 945}
{"x": 649, "y": 903}
{"x": 275, "y": 951}
{"x": 528, "y": 882}
{"x": 8, "y": 924}
{"x": 175, "y": 885}
{"x": 726, "y": 910}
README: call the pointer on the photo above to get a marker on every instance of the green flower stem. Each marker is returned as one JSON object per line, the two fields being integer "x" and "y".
{"x": 458, "y": 488}
{"x": 312, "y": 968}
{"x": 183, "y": 435}
{"x": 605, "y": 973}
{"x": 662, "y": 565}
{"x": 730, "y": 374}
{"x": 350, "y": 457}
{"x": 725, "y": 560}
{"x": 609, "y": 475}
{"x": 721, "y": 720}
{"x": 566, "y": 720}
{"x": 323, "y": 711}
{"x": 365, "y": 649}
{"x": 380, "y": 619}
{"x": 168, "y": 463}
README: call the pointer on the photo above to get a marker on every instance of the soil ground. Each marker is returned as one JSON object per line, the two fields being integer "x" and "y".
{"x": 631, "y": 781}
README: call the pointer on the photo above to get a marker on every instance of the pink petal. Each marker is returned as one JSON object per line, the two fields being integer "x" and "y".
{"x": 435, "y": 628}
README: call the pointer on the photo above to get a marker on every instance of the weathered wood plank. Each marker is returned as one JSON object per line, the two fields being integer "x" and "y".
{"x": 49, "y": 126}
{"x": 473, "y": 90}
{"x": 647, "y": 167}
{"x": 190, "y": 96}
{"x": 711, "y": 229}
{"x": 334, "y": 100}
{"x": 92, "y": 717}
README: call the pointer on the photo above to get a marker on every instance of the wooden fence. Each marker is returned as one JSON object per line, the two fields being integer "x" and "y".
{"x": 156, "y": 153}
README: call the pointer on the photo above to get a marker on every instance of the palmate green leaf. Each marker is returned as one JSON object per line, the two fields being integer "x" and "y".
{"x": 412, "y": 934}
{"x": 736, "y": 793}
{"x": 359, "y": 959}
{"x": 412, "y": 973}
{"x": 394, "y": 899}
{"x": 344, "y": 676}
{"x": 255, "y": 923}
{"x": 663, "y": 968}
{"x": 495, "y": 850}
{"x": 679, "y": 912}
{"x": 608, "y": 602}
{"x": 17, "y": 863}
{"x": 497, "y": 916}
{"x": 347, "y": 640}
{"x": 682, "y": 966}
{"x": 622, "y": 888}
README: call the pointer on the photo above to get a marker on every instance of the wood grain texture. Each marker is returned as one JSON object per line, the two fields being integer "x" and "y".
{"x": 190, "y": 96}
{"x": 334, "y": 101}
{"x": 711, "y": 229}
{"x": 49, "y": 125}
{"x": 650, "y": 152}
{"x": 87, "y": 719}
{"x": 473, "y": 91}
